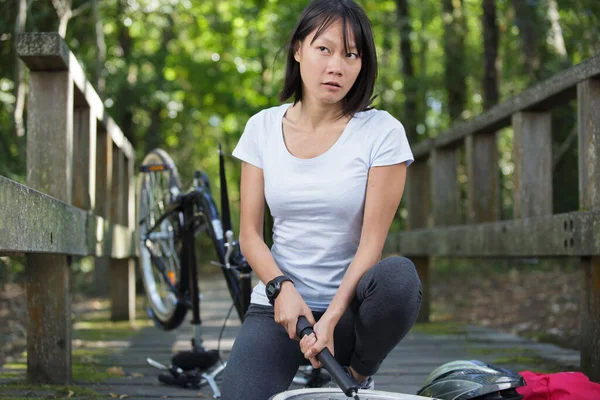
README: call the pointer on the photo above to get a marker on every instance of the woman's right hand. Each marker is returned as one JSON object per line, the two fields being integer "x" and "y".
{"x": 289, "y": 305}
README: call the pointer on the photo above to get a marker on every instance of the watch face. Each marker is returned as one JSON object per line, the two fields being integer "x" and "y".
{"x": 271, "y": 289}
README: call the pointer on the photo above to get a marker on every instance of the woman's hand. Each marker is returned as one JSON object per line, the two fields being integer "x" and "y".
{"x": 289, "y": 305}
{"x": 322, "y": 337}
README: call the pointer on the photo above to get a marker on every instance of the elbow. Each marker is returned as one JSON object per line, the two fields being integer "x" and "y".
{"x": 246, "y": 241}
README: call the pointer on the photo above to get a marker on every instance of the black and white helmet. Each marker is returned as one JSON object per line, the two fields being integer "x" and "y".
{"x": 472, "y": 380}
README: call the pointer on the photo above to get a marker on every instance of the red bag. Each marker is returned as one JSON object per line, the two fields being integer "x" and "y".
{"x": 558, "y": 386}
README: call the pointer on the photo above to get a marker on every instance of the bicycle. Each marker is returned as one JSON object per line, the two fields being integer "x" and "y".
{"x": 169, "y": 220}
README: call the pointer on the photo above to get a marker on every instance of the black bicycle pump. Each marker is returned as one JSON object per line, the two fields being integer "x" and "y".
{"x": 345, "y": 382}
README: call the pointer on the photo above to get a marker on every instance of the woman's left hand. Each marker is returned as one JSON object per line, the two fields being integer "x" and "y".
{"x": 322, "y": 337}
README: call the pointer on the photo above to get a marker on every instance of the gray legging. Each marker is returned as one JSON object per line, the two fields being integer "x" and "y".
{"x": 264, "y": 359}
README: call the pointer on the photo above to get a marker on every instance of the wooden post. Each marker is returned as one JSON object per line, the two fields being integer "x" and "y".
{"x": 482, "y": 171}
{"x": 445, "y": 193}
{"x": 417, "y": 204}
{"x": 122, "y": 272}
{"x": 49, "y": 170}
{"x": 532, "y": 152}
{"x": 104, "y": 185}
{"x": 588, "y": 102}
{"x": 84, "y": 158}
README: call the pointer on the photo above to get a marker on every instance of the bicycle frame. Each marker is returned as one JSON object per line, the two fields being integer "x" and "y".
{"x": 200, "y": 213}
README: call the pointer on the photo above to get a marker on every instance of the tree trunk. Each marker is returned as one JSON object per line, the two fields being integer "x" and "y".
{"x": 99, "y": 82}
{"x": 558, "y": 41}
{"x": 154, "y": 138}
{"x": 64, "y": 12}
{"x": 125, "y": 44}
{"x": 411, "y": 118}
{"x": 526, "y": 20}
{"x": 490, "y": 50}
{"x": 454, "y": 49}
{"x": 20, "y": 72}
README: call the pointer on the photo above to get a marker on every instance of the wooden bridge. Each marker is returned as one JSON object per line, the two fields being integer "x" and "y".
{"x": 79, "y": 199}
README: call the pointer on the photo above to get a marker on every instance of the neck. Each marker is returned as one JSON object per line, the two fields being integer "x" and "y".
{"x": 316, "y": 114}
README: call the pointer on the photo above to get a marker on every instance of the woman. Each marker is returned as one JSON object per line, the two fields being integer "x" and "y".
{"x": 332, "y": 172}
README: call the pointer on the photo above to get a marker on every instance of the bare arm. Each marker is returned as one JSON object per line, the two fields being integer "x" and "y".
{"x": 254, "y": 248}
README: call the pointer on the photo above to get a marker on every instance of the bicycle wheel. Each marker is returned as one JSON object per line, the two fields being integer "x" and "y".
{"x": 335, "y": 393}
{"x": 160, "y": 249}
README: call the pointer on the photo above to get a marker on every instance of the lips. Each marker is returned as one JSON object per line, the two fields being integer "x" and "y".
{"x": 333, "y": 84}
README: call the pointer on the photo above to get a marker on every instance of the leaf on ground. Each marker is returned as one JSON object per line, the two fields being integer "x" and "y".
{"x": 118, "y": 371}
{"x": 123, "y": 396}
{"x": 70, "y": 394}
{"x": 137, "y": 375}
{"x": 113, "y": 395}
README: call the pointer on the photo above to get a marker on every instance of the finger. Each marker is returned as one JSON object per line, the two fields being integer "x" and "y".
{"x": 306, "y": 345}
{"x": 291, "y": 330}
{"x": 319, "y": 346}
{"x": 315, "y": 363}
{"x": 308, "y": 341}
{"x": 309, "y": 316}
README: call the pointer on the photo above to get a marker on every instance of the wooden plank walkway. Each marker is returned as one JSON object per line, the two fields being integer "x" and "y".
{"x": 425, "y": 348}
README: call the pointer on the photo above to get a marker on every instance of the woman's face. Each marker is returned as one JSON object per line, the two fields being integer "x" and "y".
{"x": 328, "y": 72}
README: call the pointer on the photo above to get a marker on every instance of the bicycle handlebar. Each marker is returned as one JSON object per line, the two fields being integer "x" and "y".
{"x": 346, "y": 383}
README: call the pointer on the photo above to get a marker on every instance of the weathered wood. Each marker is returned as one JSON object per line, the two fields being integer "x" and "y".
{"x": 49, "y": 328}
{"x": 423, "y": 266}
{"x": 588, "y": 94}
{"x": 104, "y": 187}
{"x": 104, "y": 173}
{"x": 417, "y": 197}
{"x": 532, "y": 156}
{"x": 33, "y": 222}
{"x": 555, "y": 91}
{"x": 49, "y": 169}
{"x": 589, "y": 144}
{"x": 131, "y": 200}
{"x": 122, "y": 272}
{"x": 50, "y": 134}
{"x": 571, "y": 234}
{"x": 445, "y": 195}
{"x": 116, "y": 193}
{"x": 49, "y": 52}
{"x": 483, "y": 202}
{"x": 43, "y": 51}
{"x": 84, "y": 159}
{"x": 122, "y": 290}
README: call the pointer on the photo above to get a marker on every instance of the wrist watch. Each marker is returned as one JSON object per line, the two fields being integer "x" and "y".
{"x": 273, "y": 287}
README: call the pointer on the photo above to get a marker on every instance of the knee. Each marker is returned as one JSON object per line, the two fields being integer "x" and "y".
{"x": 400, "y": 270}
{"x": 400, "y": 278}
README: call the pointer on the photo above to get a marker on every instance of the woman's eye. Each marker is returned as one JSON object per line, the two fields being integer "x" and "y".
{"x": 353, "y": 56}
{"x": 323, "y": 48}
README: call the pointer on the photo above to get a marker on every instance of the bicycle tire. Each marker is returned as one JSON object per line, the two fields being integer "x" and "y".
{"x": 239, "y": 286}
{"x": 335, "y": 393}
{"x": 155, "y": 189}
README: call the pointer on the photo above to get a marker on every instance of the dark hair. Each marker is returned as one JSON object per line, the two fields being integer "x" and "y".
{"x": 319, "y": 15}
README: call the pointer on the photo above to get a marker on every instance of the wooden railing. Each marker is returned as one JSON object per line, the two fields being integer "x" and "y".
{"x": 433, "y": 205}
{"x": 79, "y": 201}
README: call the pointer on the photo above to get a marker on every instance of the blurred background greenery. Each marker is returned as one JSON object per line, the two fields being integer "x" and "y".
{"x": 185, "y": 75}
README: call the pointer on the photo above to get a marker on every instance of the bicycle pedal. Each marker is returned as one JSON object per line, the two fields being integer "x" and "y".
{"x": 187, "y": 380}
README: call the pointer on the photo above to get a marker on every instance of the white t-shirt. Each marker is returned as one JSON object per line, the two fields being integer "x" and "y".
{"x": 318, "y": 203}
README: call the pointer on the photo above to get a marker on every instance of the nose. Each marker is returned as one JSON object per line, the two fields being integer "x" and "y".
{"x": 335, "y": 65}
